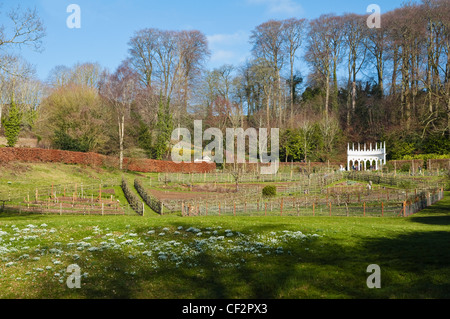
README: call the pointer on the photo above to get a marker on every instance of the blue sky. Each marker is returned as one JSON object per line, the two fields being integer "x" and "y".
{"x": 107, "y": 25}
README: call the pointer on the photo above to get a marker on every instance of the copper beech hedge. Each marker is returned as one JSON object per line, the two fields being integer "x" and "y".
{"x": 37, "y": 155}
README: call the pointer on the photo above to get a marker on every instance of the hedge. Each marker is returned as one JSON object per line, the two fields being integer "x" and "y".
{"x": 150, "y": 200}
{"x": 132, "y": 199}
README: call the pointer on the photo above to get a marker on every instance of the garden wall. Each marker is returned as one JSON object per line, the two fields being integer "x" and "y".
{"x": 37, "y": 155}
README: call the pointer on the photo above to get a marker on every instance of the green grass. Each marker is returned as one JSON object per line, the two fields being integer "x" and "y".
{"x": 119, "y": 257}
{"x": 412, "y": 253}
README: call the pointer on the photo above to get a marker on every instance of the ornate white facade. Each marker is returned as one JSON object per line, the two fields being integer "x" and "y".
{"x": 366, "y": 157}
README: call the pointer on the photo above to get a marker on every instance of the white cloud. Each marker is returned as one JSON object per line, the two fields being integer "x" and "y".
{"x": 227, "y": 39}
{"x": 288, "y": 7}
{"x": 223, "y": 56}
{"x": 228, "y": 48}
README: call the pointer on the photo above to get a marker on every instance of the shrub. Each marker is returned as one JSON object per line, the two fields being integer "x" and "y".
{"x": 269, "y": 191}
{"x": 132, "y": 199}
{"x": 151, "y": 201}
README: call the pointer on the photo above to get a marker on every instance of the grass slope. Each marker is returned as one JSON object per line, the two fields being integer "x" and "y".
{"x": 217, "y": 257}
{"x": 123, "y": 257}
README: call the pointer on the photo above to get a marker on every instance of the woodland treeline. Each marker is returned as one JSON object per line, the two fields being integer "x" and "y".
{"x": 363, "y": 85}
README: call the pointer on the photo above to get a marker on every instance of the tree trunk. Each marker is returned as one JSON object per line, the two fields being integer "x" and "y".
{"x": 121, "y": 138}
{"x": 327, "y": 93}
{"x": 292, "y": 89}
{"x": 380, "y": 73}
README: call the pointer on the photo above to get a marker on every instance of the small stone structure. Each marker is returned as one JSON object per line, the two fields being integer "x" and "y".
{"x": 366, "y": 157}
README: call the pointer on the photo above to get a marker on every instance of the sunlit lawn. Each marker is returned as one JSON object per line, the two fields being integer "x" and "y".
{"x": 226, "y": 257}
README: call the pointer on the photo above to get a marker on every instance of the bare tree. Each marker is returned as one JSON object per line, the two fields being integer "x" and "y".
{"x": 120, "y": 91}
{"x": 354, "y": 28}
{"x": 268, "y": 44}
{"x": 25, "y": 28}
{"x": 319, "y": 53}
{"x": 294, "y": 30}
{"x": 193, "y": 51}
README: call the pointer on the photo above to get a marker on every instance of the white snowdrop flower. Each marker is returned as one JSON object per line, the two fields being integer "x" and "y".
{"x": 199, "y": 234}
{"x": 10, "y": 264}
{"x": 57, "y": 274}
{"x": 44, "y": 225}
{"x": 30, "y": 237}
{"x": 132, "y": 235}
{"x": 39, "y": 269}
{"x": 151, "y": 232}
{"x": 3, "y": 233}
{"x": 162, "y": 257}
{"x": 229, "y": 234}
{"x": 109, "y": 235}
{"x": 131, "y": 257}
{"x": 161, "y": 234}
{"x": 127, "y": 242}
{"x": 93, "y": 249}
{"x": 215, "y": 233}
{"x": 52, "y": 231}
{"x": 180, "y": 227}
{"x": 31, "y": 226}
{"x": 48, "y": 268}
{"x": 36, "y": 258}
{"x": 87, "y": 238}
{"x": 76, "y": 256}
{"x": 28, "y": 273}
{"x": 176, "y": 232}
{"x": 56, "y": 262}
{"x": 228, "y": 230}
{"x": 165, "y": 229}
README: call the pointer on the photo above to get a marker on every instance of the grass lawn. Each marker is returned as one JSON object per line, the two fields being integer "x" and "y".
{"x": 226, "y": 257}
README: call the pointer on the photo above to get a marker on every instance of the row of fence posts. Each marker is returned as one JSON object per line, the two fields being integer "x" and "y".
{"x": 52, "y": 196}
{"x": 193, "y": 209}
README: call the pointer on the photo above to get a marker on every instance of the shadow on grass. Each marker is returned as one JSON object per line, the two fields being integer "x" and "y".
{"x": 413, "y": 265}
{"x": 438, "y": 214}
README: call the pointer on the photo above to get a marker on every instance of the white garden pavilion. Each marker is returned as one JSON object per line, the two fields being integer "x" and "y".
{"x": 366, "y": 157}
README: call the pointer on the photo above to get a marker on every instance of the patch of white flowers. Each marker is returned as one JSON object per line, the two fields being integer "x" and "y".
{"x": 155, "y": 248}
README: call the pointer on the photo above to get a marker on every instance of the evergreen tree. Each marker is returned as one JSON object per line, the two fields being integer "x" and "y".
{"x": 12, "y": 124}
{"x": 164, "y": 128}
